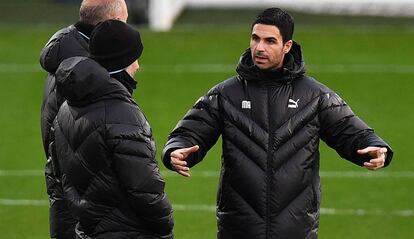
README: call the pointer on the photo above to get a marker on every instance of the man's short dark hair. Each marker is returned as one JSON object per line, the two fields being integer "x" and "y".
{"x": 279, "y": 18}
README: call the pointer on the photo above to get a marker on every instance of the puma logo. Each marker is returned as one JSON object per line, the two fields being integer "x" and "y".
{"x": 293, "y": 104}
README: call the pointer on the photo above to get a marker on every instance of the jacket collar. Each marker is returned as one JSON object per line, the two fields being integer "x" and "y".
{"x": 293, "y": 67}
{"x": 126, "y": 80}
{"x": 82, "y": 80}
{"x": 84, "y": 29}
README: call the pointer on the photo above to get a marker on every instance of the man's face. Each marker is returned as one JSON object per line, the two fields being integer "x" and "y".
{"x": 266, "y": 44}
{"x": 133, "y": 68}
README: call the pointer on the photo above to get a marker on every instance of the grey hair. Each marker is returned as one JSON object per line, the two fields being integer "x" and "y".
{"x": 93, "y": 14}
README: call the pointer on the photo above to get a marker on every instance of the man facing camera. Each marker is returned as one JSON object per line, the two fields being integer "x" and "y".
{"x": 271, "y": 117}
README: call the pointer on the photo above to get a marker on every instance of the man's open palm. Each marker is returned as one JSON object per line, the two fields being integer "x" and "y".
{"x": 378, "y": 157}
{"x": 179, "y": 157}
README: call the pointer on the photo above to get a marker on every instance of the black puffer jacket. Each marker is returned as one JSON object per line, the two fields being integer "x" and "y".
{"x": 103, "y": 153}
{"x": 271, "y": 123}
{"x": 65, "y": 43}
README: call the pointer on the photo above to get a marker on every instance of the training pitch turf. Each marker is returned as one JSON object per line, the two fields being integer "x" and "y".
{"x": 370, "y": 65}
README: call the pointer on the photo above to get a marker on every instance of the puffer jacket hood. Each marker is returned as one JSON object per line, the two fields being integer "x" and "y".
{"x": 63, "y": 44}
{"x": 82, "y": 80}
{"x": 293, "y": 67}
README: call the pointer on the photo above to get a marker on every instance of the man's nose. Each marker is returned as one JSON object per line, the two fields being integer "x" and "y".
{"x": 260, "y": 46}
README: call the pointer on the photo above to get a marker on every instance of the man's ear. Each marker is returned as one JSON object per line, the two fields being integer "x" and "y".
{"x": 287, "y": 46}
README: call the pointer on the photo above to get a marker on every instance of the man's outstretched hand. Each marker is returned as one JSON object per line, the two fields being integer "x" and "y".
{"x": 378, "y": 157}
{"x": 179, "y": 157}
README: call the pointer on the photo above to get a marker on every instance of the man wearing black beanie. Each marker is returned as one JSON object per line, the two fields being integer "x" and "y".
{"x": 116, "y": 46}
{"x": 102, "y": 147}
{"x": 68, "y": 42}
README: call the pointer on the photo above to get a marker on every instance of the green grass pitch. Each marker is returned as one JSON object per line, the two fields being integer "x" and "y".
{"x": 370, "y": 65}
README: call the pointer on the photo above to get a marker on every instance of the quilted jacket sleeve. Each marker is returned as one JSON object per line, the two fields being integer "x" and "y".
{"x": 342, "y": 130}
{"x": 200, "y": 126}
{"x": 138, "y": 172}
{"x": 62, "y": 222}
{"x": 50, "y": 106}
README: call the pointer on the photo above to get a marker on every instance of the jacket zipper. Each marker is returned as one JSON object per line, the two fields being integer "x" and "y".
{"x": 269, "y": 165}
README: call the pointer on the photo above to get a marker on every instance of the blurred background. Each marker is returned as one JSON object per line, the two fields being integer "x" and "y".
{"x": 361, "y": 49}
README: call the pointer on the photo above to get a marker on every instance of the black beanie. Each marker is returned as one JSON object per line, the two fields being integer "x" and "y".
{"x": 115, "y": 45}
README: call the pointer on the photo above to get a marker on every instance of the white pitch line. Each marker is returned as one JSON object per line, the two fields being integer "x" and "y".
{"x": 230, "y": 68}
{"x": 19, "y": 68}
{"x": 365, "y": 212}
{"x": 196, "y": 174}
{"x": 323, "y": 174}
{"x": 323, "y": 211}
{"x": 215, "y": 174}
{"x": 366, "y": 174}
{"x": 194, "y": 207}
{"x": 22, "y": 202}
{"x": 212, "y": 208}
{"x": 361, "y": 68}
{"x": 21, "y": 173}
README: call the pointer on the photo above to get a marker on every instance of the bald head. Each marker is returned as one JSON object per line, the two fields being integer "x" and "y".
{"x": 95, "y": 11}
